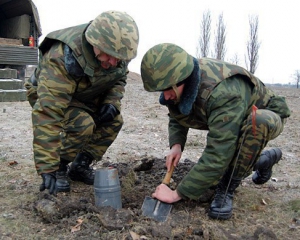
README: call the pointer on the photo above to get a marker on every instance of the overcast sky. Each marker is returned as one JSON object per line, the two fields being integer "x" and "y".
{"x": 178, "y": 22}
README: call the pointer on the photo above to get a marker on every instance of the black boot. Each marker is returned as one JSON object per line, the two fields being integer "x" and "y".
{"x": 221, "y": 206}
{"x": 62, "y": 182}
{"x": 80, "y": 169}
{"x": 263, "y": 167}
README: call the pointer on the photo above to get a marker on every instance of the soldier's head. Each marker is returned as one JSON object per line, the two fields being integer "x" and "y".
{"x": 114, "y": 36}
{"x": 164, "y": 67}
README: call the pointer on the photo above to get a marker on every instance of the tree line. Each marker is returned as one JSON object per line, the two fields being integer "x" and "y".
{"x": 219, "y": 44}
{"x": 219, "y": 49}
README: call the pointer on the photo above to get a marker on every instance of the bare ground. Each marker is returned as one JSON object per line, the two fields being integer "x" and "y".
{"x": 270, "y": 211}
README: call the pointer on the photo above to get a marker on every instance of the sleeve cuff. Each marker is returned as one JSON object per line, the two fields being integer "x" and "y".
{"x": 181, "y": 195}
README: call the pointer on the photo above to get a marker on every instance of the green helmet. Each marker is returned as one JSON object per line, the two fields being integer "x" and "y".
{"x": 114, "y": 33}
{"x": 165, "y": 65}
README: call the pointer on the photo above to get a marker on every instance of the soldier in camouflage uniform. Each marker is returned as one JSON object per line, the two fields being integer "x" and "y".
{"x": 76, "y": 94}
{"x": 239, "y": 112}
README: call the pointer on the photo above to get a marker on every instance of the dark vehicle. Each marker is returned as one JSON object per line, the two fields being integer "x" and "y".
{"x": 20, "y": 30}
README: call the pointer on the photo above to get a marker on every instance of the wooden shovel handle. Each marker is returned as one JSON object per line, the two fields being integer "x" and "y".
{"x": 168, "y": 176}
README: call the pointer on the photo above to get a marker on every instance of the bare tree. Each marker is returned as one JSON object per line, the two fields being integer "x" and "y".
{"x": 220, "y": 37}
{"x": 297, "y": 77}
{"x": 235, "y": 59}
{"x": 253, "y": 45}
{"x": 204, "y": 39}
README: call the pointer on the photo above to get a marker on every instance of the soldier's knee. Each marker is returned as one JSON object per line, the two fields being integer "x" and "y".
{"x": 269, "y": 122}
{"x": 90, "y": 128}
{"x": 80, "y": 121}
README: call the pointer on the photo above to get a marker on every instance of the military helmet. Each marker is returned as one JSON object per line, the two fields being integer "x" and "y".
{"x": 114, "y": 33}
{"x": 165, "y": 65}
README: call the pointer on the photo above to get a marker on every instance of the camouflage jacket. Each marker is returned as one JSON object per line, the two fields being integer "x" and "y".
{"x": 217, "y": 97}
{"x": 68, "y": 74}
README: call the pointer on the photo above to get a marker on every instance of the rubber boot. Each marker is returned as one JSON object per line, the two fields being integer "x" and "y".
{"x": 264, "y": 165}
{"x": 80, "y": 169}
{"x": 221, "y": 206}
{"x": 62, "y": 182}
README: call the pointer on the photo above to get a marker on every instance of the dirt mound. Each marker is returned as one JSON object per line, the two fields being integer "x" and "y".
{"x": 136, "y": 182}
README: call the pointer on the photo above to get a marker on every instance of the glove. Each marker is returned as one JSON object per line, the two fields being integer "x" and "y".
{"x": 49, "y": 182}
{"x": 107, "y": 113}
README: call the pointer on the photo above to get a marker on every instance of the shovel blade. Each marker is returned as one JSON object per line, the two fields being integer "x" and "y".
{"x": 156, "y": 209}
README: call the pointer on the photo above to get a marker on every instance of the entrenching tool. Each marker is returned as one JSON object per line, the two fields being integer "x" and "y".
{"x": 156, "y": 209}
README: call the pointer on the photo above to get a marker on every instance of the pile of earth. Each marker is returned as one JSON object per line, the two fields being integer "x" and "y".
{"x": 106, "y": 222}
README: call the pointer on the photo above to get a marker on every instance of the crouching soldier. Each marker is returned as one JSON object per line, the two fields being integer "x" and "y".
{"x": 76, "y": 93}
{"x": 240, "y": 114}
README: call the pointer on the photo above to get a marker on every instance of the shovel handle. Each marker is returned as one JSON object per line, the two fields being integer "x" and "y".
{"x": 168, "y": 176}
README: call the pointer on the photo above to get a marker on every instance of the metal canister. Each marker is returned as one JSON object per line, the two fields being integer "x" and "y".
{"x": 107, "y": 188}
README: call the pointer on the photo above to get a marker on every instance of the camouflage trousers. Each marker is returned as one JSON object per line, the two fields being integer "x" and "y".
{"x": 81, "y": 134}
{"x": 256, "y": 132}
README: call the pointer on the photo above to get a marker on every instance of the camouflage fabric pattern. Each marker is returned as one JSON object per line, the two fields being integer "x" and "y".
{"x": 101, "y": 80}
{"x": 204, "y": 175}
{"x": 57, "y": 91}
{"x": 223, "y": 107}
{"x": 165, "y": 65}
{"x": 114, "y": 33}
{"x": 80, "y": 132}
{"x": 216, "y": 71}
{"x": 254, "y": 137}
{"x": 31, "y": 95}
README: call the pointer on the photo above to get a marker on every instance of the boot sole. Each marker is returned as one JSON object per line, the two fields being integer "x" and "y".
{"x": 219, "y": 215}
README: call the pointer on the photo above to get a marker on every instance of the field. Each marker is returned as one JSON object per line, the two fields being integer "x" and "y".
{"x": 269, "y": 211}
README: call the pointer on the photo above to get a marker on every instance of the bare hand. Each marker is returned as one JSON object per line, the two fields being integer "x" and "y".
{"x": 165, "y": 194}
{"x": 173, "y": 156}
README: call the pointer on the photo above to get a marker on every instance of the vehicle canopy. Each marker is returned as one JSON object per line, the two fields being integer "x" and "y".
{"x": 20, "y": 30}
{"x": 17, "y": 17}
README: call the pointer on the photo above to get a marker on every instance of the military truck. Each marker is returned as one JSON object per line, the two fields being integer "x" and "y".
{"x": 19, "y": 23}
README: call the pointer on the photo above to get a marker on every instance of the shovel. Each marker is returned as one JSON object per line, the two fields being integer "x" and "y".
{"x": 156, "y": 209}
